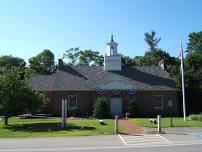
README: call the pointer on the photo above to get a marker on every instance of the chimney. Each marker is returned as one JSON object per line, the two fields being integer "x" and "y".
{"x": 60, "y": 63}
{"x": 162, "y": 64}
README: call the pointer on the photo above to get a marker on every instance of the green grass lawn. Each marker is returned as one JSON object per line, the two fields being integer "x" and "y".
{"x": 51, "y": 127}
{"x": 177, "y": 122}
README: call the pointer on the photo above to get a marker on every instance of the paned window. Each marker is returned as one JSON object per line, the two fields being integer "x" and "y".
{"x": 158, "y": 102}
{"x": 72, "y": 102}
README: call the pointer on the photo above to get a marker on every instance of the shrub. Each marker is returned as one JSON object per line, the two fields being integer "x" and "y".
{"x": 101, "y": 108}
{"x": 132, "y": 108}
{"x": 197, "y": 117}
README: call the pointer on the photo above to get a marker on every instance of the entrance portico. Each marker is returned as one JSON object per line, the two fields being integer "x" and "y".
{"x": 115, "y": 85}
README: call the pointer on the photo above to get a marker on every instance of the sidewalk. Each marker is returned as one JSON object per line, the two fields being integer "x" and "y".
{"x": 130, "y": 128}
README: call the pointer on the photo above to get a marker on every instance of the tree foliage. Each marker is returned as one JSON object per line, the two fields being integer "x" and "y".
{"x": 154, "y": 54}
{"x": 126, "y": 60}
{"x": 86, "y": 57}
{"x": 151, "y": 40}
{"x": 72, "y": 55}
{"x": 9, "y": 61}
{"x": 194, "y": 61}
{"x": 195, "y": 42}
{"x": 43, "y": 63}
{"x": 101, "y": 108}
{"x": 193, "y": 72}
{"x": 15, "y": 95}
{"x": 133, "y": 108}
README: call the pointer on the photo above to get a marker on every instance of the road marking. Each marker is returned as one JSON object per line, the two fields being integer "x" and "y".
{"x": 122, "y": 140}
{"x": 135, "y": 140}
{"x": 164, "y": 138}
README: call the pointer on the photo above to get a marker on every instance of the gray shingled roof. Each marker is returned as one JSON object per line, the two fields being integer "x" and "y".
{"x": 89, "y": 77}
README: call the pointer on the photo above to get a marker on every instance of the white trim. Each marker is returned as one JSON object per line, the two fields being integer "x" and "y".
{"x": 69, "y": 102}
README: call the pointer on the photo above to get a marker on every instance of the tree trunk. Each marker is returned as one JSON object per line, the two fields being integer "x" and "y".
{"x": 6, "y": 121}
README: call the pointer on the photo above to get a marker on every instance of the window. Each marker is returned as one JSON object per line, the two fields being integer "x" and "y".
{"x": 170, "y": 103}
{"x": 158, "y": 102}
{"x": 72, "y": 102}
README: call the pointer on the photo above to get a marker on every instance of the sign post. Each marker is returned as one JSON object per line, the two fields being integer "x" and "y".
{"x": 64, "y": 113}
{"x": 170, "y": 104}
{"x": 116, "y": 125}
{"x": 159, "y": 123}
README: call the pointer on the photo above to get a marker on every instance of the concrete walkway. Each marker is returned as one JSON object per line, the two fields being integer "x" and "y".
{"x": 130, "y": 128}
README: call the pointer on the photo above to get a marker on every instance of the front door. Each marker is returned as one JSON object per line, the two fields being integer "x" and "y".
{"x": 116, "y": 106}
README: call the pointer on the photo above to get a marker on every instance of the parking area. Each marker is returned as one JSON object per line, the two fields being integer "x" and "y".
{"x": 173, "y": 137}
{"x": 181, "y": 135}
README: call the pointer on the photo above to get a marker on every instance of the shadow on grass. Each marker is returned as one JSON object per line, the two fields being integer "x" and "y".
{"x": 46, "y": 127}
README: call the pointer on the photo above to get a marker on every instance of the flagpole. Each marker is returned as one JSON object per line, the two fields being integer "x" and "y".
{"x": 183, "y": 89}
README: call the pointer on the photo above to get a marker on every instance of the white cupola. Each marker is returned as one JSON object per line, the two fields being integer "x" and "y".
{"x": 112, "y": 47}
{"x": 112, "y": 61}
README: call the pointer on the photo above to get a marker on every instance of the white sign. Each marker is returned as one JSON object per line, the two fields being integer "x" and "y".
{"x": 170, "y": 103}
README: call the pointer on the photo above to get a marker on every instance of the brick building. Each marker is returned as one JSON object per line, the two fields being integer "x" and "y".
{"x": 151, "y": 86}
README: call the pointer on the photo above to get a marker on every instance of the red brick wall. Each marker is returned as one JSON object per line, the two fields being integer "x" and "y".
{"x": 85, "y": 101}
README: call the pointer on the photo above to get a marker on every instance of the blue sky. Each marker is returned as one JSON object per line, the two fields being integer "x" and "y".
{"x": 29, "y": 26}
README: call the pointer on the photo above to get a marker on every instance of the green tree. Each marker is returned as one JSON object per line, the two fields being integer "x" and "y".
{"x": 132, "y": 108}
{"x": 194, "y": 60}
{"x": 151, "y": 40}
{"x": 72, "y": 55}
{"x": 15, "y": 95}
{"x": 86, "y": 57}
{"x": 101, "y": 108}
{"x": 89, "y": 57}
{"x": 138, "y": 60}
{"x": 9, "y": 61}
{"x": 193, "y": 72}
{"x": 43, "y": 63}
{"x": 153, "y": 57}
{"x": 195, "y": 42}
{"x": 126, "y": 60}
{"x": 173, "y": 68}
{"x": 154, "y": 54}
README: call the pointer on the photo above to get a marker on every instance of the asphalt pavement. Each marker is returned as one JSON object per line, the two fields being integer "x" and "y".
{"x": 175, "y": 139}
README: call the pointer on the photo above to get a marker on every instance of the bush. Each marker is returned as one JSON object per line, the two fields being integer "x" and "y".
{"x": 197, "y": 117}
{"x": 132, "y": 108}
{"x": 101, "y": 108}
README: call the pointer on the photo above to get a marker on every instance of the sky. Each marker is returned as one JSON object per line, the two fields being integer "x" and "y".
{"x": 27, "y": 27}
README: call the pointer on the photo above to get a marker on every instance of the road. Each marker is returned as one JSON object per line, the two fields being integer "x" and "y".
{"x": 176, "y": 139}
{"x": 171, "y": 148}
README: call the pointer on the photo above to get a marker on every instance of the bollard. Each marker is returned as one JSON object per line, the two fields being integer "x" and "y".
{"x": 159, "y": 122}
{"x": 116, "y": 125}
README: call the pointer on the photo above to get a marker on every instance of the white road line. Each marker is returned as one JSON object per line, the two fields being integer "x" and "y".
{"x": 156, "y": 137}
{"x": 164, "y": 138}
{"x": 122, "y": 140}
{"x": 134, "y": 136}
{"x": 144, "y": 140}
{"x": 139, "y": 141}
